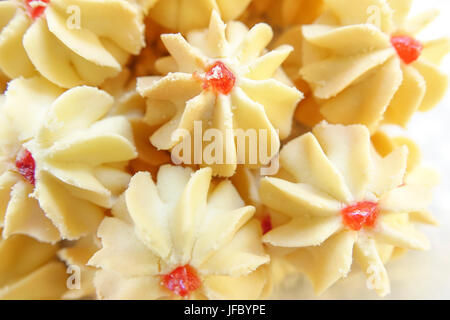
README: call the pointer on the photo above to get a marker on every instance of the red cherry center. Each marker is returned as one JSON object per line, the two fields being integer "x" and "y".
{"x": 266, "y": 224}
{"x": 219, "y": 78}
{"x": 36, "y": 7}
{"x": 26, "y": 165}
{"x": 182, "y": 280}
{"x": 361, "y": 214}
{"x": 408, "y": 48}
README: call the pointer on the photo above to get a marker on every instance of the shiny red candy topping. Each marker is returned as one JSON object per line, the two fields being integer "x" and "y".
{"x": 219, "y": 78}
{"x": 26, "y": 165}
{"x": 408, "y": 48}
{"x": 266, "y": 224}
{"x": 35, "y": 11}
{"x": 182, "y": 281}
{"x": 361, "y": 214}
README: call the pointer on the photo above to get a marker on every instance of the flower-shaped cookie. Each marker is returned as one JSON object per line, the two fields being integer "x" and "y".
{"x": 130, "y": 104}
{"x": 3, "y": 81}
{"x": 345, "y": 199}
{"x": 283, "y": 13}
{"x": 29, "y": 270}
{"x": 144, "y": 63}
{"x": 187, "y": 15}
{"x": 69, "y": 42}
{"x": 223, "y": 79}
{"x": 365, "y": 66}
{"x": 182, "y": 237}
{"x": 61, "y": 159}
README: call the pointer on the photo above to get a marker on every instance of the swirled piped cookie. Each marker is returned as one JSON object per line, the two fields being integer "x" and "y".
{"x": 183, "y": 237}
{"x": 62, "y": 160}
{"x": 69, "y": 42}
{"x": 186, "y": 15}
{"x": 344, "y": 200}
{"x": 222, "y": 79}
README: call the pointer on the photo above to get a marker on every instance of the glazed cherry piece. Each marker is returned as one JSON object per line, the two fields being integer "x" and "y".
{"x": 408, "y": 48}
{"x": 26, "y": 166}
{"x": 359, "y": 215}
{"x": 219, "y": 78}
{"x": 266, "y": 224}
{"x": 36, "y": 8}
{"x": 182, "y": 280}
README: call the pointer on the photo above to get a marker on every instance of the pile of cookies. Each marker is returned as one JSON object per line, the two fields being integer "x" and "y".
{"x": 206, "y": 149}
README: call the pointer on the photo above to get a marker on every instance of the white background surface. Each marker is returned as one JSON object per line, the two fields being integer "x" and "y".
{"x": 417, "y": 275}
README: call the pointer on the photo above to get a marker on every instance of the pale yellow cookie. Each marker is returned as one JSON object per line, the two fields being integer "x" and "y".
{"x": 62, "y": 159}
{"x": 180, "y": 238}
{"x": 345, "y": 203}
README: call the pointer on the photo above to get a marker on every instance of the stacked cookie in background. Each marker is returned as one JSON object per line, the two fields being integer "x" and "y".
{"x": 208, "y": 149}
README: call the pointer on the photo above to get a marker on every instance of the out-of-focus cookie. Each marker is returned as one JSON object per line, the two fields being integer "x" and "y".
{"x": 186, "y": 15}
{"x": 29, "y": 270}
{"x": 364, "y": 64}
{"x": 179, "y": 238}
{"x": 222, "y": 79}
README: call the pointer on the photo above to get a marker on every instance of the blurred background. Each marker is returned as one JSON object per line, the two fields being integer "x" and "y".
{"x": 416, "y": 275}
